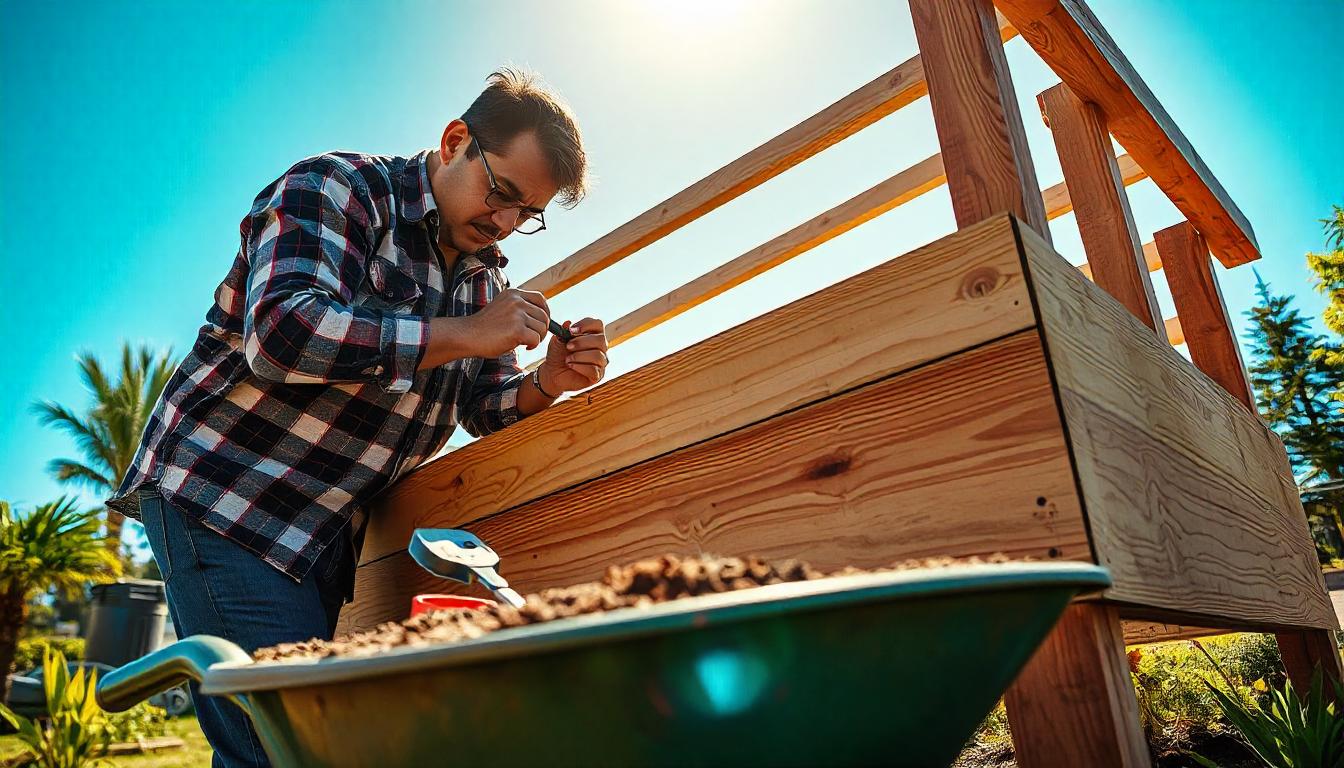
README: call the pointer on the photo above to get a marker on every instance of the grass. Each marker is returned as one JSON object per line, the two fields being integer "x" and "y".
{"x": 196, "y": 753}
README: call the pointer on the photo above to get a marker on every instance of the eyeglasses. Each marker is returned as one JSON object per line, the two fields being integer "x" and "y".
{"x": 529, "y": 221}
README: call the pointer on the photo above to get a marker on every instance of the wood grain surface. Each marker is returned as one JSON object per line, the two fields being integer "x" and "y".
{"x": 953, "y": 294}
{"x": 1184, "y": 490}
{"x": 961, "y": 456}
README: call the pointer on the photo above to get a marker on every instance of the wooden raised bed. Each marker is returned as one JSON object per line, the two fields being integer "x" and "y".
{"x": 976, "y": 395}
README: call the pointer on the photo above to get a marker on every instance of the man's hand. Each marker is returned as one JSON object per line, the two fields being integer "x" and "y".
{"x": 579, "y": 364}
{"x": 512, "y": 319}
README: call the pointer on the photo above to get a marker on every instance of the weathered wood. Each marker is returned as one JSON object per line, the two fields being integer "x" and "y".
{"x": 1306, "y": 651}
{"x": 866, "y": 206}
{"x": 1074, "y": 703}
{"x": 962, "y": 290}
{"x": 1101, "y": 206}
{"x": 1184, "y": 490}
{"x": 1068, "y": 37}
{"x": 851, "y": 114}
{"x": 899, "y": 468}
{"x": 980, "y": 132}
{"x": 1208, "y": 330}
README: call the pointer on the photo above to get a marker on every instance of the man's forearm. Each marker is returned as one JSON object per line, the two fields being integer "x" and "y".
{"x": 448, "y": 341}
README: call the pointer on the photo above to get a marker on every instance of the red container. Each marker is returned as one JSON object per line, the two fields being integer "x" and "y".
{"x": 422, "y": 603}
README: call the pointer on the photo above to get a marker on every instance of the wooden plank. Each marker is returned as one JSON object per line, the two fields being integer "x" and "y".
{"x": 1056, "y": 197}
{"x": 980, "y": 132}
{"x": 1074, "y": 703}
{"x": 1068, "y": 37}
{"x": 1208, "y": 329}
{"x": 881, "y": 97}
{"x": 1140, "y": 632}
{"x": 1101, "y": 207}
{"x": 962, "y": 290}
{"x": 1184, "y": 491}
{"x": 962, "y": 456}
{"x": 866, "y": 206}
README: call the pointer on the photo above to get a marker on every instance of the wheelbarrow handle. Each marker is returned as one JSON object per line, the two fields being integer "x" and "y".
{"x": 168, "y": 667}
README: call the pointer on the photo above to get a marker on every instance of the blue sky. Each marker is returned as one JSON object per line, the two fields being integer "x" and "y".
{"x": 135, "y": 135}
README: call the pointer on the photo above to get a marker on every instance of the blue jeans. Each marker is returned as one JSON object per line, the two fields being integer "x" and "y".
{"x": 215, "y": 587}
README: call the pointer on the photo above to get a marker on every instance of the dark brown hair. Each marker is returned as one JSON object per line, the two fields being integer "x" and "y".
{"x": 516, "y": 101}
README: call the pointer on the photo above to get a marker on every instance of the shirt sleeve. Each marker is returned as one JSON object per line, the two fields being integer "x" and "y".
{"x": 307, "y": 240}
{"x": 493, "y": 403}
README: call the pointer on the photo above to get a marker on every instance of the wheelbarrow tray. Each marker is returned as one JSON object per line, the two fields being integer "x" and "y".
{"x": 890, "y": 668}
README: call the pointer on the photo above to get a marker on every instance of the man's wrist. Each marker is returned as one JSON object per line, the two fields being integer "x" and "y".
{"x": 543, "y": 378}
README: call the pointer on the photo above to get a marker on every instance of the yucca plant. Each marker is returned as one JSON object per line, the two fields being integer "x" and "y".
{"x": 74, "y": 734}
{"x": 55, "y": 545}
{"x": 1294, "y": 733}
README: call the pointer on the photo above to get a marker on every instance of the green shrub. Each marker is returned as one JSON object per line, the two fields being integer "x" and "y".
{"x": 143, "y": 721}
{"x": 32, "y": 650}
{"x": 74, "y": 733}
{"x": 1170, "y": 681}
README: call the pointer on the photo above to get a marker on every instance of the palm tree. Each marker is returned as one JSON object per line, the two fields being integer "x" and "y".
{"x": 56, "y": 545}
{"x": 109, "y": 433}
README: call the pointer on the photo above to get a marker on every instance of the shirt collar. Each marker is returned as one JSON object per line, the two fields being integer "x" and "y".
{"x": 417, "y": 202}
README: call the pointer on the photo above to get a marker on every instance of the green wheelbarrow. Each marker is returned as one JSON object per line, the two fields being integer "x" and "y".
{"x": 893, "y": 669}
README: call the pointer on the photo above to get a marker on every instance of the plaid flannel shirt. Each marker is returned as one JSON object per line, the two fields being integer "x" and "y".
{"x": 300, "y": 399}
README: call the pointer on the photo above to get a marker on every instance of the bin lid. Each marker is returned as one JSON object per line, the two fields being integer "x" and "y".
{"x": 126, "y": 590}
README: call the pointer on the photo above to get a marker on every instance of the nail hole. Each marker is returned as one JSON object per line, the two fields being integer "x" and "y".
{"x": 1054, "y": 552}
{"x": 1040, "y": 501}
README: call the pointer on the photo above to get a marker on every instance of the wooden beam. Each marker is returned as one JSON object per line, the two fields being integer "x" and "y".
{"x": 895, "y": 191}
{"x": 881, "y": 97}
{"x": 1207, "y": 328}
{"x": 1184, "y": 489}
{"x": 1074, "y": 703}
{"x": 865, "y": 478}
{"x": 980, "y": 132}
{"x": 1100, "y": 204}
{"x": 1056, "y": 196}
{"x": 1150, "y": 258}
{"x": 963, "y": 290}
{"x": 1068, "y": 37}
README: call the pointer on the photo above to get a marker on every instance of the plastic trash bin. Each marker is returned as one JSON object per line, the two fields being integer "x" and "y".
{"x": 126, "y": 620}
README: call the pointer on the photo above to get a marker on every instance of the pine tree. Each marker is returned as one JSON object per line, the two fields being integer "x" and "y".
{"x": 1295, "y": 372}
{"x": 1329, "y": 269}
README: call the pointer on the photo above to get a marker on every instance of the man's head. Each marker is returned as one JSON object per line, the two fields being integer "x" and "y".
{"x": 532, "y": 149}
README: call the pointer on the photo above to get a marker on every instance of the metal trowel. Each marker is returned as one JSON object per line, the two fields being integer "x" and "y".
{"x": 451, "y": 553}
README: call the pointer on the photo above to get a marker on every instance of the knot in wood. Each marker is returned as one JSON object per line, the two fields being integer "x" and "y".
{"x": 981, "y": 282}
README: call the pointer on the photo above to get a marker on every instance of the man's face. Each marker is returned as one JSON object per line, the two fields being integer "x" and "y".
{"x": 461, "y": 185}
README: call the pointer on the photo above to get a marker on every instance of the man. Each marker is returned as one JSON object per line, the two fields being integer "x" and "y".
{"x": 365, "y": 316}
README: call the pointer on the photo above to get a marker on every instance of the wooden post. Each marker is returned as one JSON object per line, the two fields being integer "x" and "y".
{"x": 1303, "y": 651}
{"x": 984, "y": 145}
{"x": 1204, "y": 321}
{"x": 1074, "y": 703}
{"x": 1100, "y": 203}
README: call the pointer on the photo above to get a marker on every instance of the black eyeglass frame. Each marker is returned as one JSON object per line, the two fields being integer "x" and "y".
{"x": 497, "y": 199}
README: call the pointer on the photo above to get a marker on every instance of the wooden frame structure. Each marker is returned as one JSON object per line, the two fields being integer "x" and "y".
{"x": 976, "y": 395}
